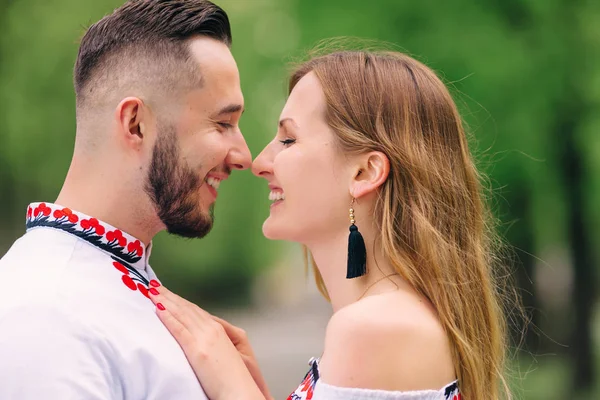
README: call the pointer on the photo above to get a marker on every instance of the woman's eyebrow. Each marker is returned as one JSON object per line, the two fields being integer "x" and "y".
{"x": 289, "y": 120}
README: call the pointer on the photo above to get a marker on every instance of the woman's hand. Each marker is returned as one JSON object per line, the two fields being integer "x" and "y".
{"x": 219, "y": 366}
{"x": 240, "y": 340}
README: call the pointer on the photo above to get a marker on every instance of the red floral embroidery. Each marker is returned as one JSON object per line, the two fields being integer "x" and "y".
{"x": 90, "y": 229}
{"x": 66, "y": 212}
{"x": 43, "y": 209}
{"x": 306, "y": 388}
{"x": 129, "y": 282}
{"x": 93, "y": 223}
{"x": 117, "y": 236}
{"x": 130, "y": 279}
{"x": 135, "y": 247}
{"x": 126, "y": 251}
{"x": 121, "y": 267}
{"x": 143, "y": 289}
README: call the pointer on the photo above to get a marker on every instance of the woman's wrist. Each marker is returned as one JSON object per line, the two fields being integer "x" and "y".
{"x": 246, "y": 393}
{"x": 243, "y": 387}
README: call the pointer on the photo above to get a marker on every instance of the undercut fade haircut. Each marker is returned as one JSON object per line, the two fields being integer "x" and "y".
{"x": 144, "y": 45}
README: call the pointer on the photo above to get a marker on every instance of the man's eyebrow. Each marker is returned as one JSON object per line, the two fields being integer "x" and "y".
{"x": 230, "y": 109}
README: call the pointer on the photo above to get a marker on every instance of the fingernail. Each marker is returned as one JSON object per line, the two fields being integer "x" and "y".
{"x": 160, "y": 306}
{"x": 154, "y": 283}
{"x": 154, "y": 291}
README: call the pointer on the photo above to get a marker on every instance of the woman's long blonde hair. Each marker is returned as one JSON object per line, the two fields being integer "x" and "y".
{"x": 435, "y": 227}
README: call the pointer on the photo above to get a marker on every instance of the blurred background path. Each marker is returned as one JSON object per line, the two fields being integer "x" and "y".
{"x": 285, "y": 337}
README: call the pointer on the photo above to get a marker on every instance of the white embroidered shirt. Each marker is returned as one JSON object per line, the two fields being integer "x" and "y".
{"x": 75, "y": 319}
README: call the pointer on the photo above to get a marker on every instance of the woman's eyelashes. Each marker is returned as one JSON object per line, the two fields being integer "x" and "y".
{"x": 287, "y": 142}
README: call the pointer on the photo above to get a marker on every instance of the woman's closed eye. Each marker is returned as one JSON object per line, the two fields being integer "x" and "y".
{"x": 287, "y": 142}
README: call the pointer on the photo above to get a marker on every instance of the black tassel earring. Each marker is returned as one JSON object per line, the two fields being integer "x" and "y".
{"x": 357, "y": 253}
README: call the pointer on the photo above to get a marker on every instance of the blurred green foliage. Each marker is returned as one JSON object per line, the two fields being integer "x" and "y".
{"x": 525, "y": 74}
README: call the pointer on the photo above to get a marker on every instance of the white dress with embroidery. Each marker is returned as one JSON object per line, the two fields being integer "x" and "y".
{"x": 312, "y": 388}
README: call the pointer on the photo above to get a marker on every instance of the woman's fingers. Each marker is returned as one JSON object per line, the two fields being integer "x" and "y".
{"x": 235, "y": 334}
{"x": 179, "y": 331}
{"x": 191, "y": 331}
{"x": 162, "y": 292}
{"x": 198, "y": 323}
{"x": 181, "y": 310}
{"x": 209, "y": 349}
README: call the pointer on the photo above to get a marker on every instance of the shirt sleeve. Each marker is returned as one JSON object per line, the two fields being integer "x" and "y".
{"x": 46, "y": 354}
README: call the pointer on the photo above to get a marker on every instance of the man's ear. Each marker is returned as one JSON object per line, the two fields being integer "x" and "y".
{"x": 372, "y": 171}
{"x": 130, "y": 116}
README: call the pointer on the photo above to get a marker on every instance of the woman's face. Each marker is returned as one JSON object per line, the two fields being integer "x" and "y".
{"x": 308, "y": 175}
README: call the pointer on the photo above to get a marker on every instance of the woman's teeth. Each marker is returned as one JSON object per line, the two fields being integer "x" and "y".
{"x": 276, "y": 196}
{"x": 214, "y": 182}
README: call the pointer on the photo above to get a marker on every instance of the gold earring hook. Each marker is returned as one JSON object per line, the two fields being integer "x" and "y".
{"x": 352, "y": 220}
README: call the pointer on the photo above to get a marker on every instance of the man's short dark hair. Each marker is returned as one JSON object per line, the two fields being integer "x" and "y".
{"x": 146, "y": 40}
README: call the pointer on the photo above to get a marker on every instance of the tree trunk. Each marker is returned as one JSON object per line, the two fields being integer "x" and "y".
{"x": 584, "y": 284}
{"x": 520, "y": 236}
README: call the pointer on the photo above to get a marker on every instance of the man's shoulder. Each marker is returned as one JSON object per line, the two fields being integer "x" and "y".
{"x": 35, "y": 265}
{"x": 55, "y": 273}
{"x": 37, "y": 248}
{"x": 37, "y": 314}
{"x": 32, "y": 305}
{"x": 45, "y": 258}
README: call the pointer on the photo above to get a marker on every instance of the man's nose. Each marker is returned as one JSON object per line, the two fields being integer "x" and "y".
{"x": 239, "y": 156}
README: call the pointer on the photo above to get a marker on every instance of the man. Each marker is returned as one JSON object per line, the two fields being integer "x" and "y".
{"x": 158, "y": 103}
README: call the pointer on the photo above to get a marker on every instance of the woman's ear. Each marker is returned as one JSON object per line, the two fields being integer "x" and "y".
{"x": 372, "y": 171}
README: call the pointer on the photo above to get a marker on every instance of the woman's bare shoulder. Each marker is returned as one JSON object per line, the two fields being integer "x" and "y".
{"x": 391, "y": 341}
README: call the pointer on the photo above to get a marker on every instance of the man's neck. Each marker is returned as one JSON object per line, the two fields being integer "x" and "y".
{"x": 109, "y": 198}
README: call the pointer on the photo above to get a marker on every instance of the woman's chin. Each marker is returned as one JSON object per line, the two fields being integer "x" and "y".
{"x": 269, "y": 230}
{"x": 272, "y": 231}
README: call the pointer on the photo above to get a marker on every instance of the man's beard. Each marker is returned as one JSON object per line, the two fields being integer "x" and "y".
{"x": 173, "y": 187}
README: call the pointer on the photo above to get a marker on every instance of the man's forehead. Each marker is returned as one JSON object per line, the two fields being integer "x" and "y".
{"x": 220, "y": 77}
{"x": 212, "y": 56}
{"x": 220, "y": 74}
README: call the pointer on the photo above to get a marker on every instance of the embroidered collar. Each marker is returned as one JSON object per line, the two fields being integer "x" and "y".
{"x": 122, "y": 247}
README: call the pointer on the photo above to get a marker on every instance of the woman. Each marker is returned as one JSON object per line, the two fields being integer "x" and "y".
{"x": 374, "y": 142}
